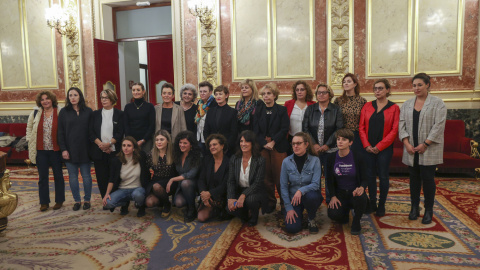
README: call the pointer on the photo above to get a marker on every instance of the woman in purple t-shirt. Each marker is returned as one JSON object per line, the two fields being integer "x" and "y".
{"x": 346, "y": 180}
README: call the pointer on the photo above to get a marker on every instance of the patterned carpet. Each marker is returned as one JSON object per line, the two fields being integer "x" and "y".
{"x": 97, "y": 239}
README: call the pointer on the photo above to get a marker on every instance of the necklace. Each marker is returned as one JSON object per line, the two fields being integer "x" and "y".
{"x": 138, "y": 107}
{"x": 186, "y": 109}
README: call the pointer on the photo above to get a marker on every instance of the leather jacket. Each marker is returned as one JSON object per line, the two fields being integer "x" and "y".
{"x": 333, "y": 120}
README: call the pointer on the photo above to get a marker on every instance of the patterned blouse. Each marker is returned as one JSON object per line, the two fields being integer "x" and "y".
{"x": 47, "y": 132}
{"x": 161, "y": 170}
{"x": 351, "y": 111}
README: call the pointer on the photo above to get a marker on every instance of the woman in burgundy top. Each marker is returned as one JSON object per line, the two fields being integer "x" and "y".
{"x": 378, "y": 129}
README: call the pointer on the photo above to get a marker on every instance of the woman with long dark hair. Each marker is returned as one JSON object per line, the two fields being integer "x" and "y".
{"x": 351, "y": 104}
{"x": 139, "y": 118}
{"x": 187, "y": 158}
{"x": 130, "y": 175}
{"x": 73, "y": 139}
{"x": 421, "y": 129}
{"x": 160, "y": 160}
{"x": 245, "y": 179}
{"x": 43, "y": 148}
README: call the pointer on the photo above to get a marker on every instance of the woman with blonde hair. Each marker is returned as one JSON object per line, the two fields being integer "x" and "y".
{"x": 247, "y": 105}
{"x": 271, "y": 127}
{"x": 106, "y": 134}
{"x": 160, "y": 160}
{"x": 43, "y": 148}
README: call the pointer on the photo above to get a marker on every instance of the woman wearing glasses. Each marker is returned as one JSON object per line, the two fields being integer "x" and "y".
{"x": 321, "y": 121}
{"x": 378, "y": 129}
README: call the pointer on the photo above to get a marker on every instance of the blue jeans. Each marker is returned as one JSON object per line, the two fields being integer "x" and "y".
{"x": 121, "y": 197}
{"x": 73, "y": 179}
{"x": 310, "y": 201}
{"x": 378, "y": 164}
{"x": 46, "y": 159}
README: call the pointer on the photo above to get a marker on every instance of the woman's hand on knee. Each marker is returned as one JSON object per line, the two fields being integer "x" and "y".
{"x": 107, "y": 197}
{"x": 240, "y": 201}
{"x": 231, "y": 204}
{"x": 334, "y": 203}
{"x": 291, "y": 215}
{"x": 297, "y": 198}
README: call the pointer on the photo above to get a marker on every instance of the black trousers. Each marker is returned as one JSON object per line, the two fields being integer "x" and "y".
{"x": 348, "y": 201}
{"x": 425, "y": 175}
{"x": 252, "y": 203}
{"x": 102, "y": 171}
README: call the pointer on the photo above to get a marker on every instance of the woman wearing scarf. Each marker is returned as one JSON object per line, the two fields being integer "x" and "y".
{"x": 247, "y": 104}
{"x": 205, "y": 103}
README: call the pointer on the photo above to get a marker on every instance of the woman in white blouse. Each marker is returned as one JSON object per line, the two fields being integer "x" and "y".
{"x": 302, "y": 97}
{"x": 245, "y": 180}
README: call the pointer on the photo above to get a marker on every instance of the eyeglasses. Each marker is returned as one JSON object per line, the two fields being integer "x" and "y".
{"x": 104, "y": 98}
{"x": 378, "y": 88}
{"x": 297, "y": 143}
{"x": 322, "y": 93}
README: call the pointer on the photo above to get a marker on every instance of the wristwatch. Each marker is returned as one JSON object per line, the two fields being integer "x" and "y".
{"x": 425, "y": 142}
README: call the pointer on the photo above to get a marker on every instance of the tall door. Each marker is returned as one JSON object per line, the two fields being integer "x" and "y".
{"x": 160, "y": 66}
{"x": 107, "y": 68}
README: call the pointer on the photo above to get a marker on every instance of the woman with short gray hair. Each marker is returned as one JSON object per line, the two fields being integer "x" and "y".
{"x": 188, "y": 96}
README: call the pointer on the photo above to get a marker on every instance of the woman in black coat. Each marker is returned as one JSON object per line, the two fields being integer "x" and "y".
{"x": 245, "y": 179}
{"x": 106, "y": 134}
{"x": 128, "y": 179}
{"x": 222, "y": 119}
{"x": 212, "y": 183}
{"x": 139, "y": 118}
{"x": 271, "y": 125}
{"x": 73, "y": 123}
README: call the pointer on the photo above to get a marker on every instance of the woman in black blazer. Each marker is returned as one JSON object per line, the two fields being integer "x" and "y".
{"x": 73, "y": 139}
{"x": 212, "y": 183}
{"x": 128, "y": 179}
{"x": 222, "y": 119}
{"x": 271, "y": 125}
{"x": 106, "y": 132}
{"x": 245, "y": 179}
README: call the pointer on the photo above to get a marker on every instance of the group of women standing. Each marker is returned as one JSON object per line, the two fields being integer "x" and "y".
{"x": 193, "y": 150}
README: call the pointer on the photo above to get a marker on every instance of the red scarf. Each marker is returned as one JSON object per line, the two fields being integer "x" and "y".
{"x": 54, "y": 132}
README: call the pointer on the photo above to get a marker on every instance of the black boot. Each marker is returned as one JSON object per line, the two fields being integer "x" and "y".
{"x": 141, "y": 211}
{"x": 356, "y": 227}
{"x": 381, "y": 209}
{"x": 190, "y": 214}
{"x": 414, "y": 213}
{"x": 427, "y": 217}
{"x": 124, "y": 209}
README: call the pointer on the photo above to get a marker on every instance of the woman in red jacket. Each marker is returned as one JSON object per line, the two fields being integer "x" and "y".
{"x": 302, "y": 97}
{"x": 378, "y": 129}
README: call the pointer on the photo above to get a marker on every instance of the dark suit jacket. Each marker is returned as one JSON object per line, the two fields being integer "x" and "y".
{"x": 206, "y": 182}
{"x": 333, "y": 120}
{"x": 279, "y": 126}
{"x": 360, "y": 172}
{"x": 96, "y": 127}
{"x": 227, "y": 125}
{"x": 256, "y": 175}
{"x": 116, "y": 167}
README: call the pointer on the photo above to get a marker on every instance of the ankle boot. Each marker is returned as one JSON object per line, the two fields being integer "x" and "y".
{"x": 427, "y": 217}
{"x": 381, "y": 209}
{"x": 414, "y": 213}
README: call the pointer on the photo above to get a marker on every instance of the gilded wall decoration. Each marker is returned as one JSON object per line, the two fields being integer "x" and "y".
{"x": 340, "y": 40}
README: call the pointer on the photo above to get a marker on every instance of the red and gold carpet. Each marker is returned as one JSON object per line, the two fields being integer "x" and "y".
{"x": 98, "y": 239}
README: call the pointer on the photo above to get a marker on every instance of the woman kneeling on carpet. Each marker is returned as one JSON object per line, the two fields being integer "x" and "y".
{"x": 160, "y": 159}
{"x": 212, "y": 183}
{"x": 187, "y": 159}
{"x": 245, "y": 179}
{"x": 300, "y": 184}
{"x": 346, "y": 180}
{"x": 128, "y": 177}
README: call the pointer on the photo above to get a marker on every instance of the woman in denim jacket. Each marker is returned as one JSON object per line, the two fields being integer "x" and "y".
{"x": 300, "y": 184}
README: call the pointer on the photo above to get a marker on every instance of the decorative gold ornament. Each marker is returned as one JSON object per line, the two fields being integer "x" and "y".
{"x": 8, "y": 200}
{"x": 340, "y": 40}
{"x": 208, "y": 55}
{"x": 64, "y": 20}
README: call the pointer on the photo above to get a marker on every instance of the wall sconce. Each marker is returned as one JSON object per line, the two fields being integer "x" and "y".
{"x": 62, "y": 20}
{"x": 209, "y": 57}
{"x": 203, "y": 10}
